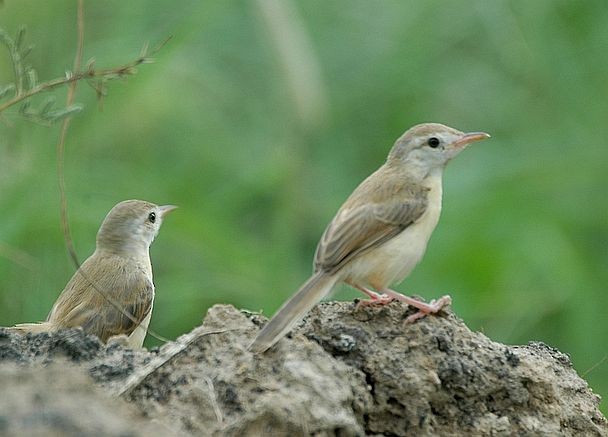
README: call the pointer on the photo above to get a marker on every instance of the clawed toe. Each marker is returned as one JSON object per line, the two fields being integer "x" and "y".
{"x": 376, "y": 299}
{"x": 415, "y": 316}
{"x": 433, "y": 307}
{"x": 438, "y": 304}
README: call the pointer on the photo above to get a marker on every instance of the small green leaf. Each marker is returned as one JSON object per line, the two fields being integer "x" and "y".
{"x": 90, "y": 65}
{"x": 26, "y": 51}
{"x": 24, "y": 108}
{"x": 32, "y": 77}
{"x": 60, "y": 114}
{"x": 47, "y": 105}
{"x": 6, "y": 89}
{"x": 19, "y": 37}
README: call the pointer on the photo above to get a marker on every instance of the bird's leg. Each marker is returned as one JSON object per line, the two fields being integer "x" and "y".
{"x": 375, "y": 298}
{"x": 423, "y": 308}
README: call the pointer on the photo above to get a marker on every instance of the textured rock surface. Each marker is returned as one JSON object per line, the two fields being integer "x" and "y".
{"x": 344, "y": 371}
{"x": 60, "y": 400}
{"x": 438, "y": 377}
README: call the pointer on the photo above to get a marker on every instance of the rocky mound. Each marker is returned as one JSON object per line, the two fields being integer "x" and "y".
{"x": 344, "y": 371}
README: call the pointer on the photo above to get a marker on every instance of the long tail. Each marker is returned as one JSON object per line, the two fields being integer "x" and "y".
{"x": 316, "y": 288}
{"x": 34, "y": 328}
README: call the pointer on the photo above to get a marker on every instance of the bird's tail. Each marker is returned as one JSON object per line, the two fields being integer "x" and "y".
{"x": 34, "y": 328}
{"x": 316, "y": 288}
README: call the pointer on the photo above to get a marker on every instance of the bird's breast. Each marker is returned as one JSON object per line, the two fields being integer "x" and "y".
{"x": 393, "y": 261}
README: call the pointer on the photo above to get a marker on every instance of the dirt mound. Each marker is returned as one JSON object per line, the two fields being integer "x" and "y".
{"x": 344, "y": 371}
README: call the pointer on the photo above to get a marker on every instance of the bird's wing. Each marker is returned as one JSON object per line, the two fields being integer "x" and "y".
{"x": 91, "y": 298}
{"x": 358, "y": 229}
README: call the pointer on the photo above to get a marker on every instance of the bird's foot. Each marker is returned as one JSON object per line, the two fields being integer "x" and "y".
{"x": 424, "y": 308}
{"x": 374, "y": 298}
{"x": 431, "y": 308}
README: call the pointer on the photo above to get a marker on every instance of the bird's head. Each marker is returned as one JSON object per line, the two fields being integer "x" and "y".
{"x": 131, "y": 226}
{"x": 430, "y": 146}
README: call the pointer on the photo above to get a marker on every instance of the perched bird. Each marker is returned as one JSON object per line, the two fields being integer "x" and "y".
{"x": 380, "y": 233}
{"x": 112, "y": 292}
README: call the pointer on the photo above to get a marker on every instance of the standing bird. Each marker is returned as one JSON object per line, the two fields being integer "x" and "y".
{"x": 380, "y": 233}
{"x": 112, "y": 292}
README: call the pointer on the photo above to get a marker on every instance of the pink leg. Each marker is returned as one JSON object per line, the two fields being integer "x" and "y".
{"x": 423, "y": 308}
{"x": 375, "y": 298}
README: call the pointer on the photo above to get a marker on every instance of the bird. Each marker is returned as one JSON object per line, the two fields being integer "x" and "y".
{"x": 381, "y": 232}
{"x": 112, "y": 292}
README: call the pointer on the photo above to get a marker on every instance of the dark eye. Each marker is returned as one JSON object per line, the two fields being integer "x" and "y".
{"x": 433, "y": 142}
{"x": 152, "y": 217}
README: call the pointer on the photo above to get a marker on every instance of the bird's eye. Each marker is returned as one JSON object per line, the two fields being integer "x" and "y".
{"x": 433, "y": 142}
{"x": 152, "y": 217}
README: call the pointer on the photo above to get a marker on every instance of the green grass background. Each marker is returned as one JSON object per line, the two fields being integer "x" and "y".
{"x": 258, "y": 120}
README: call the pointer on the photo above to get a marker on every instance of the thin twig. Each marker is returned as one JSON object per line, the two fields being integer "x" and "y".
{"x": 216, "y": 407}
{"x": 62, "y": 135}
{"x": 168, "y": 353}
{"x": 18, "y": 256}
{"x": 584, "y": 375}
{"x": 71, "y": 77}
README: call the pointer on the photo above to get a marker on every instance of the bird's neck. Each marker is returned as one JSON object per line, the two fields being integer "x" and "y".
{"x": 432, "y": 179}
{"x": 134, "y": 254}
{"x": 433, "y": 182}
{"x": 134, "y": 249}
{"x": 416, "y": 170}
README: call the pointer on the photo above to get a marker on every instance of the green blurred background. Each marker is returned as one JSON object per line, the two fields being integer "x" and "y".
{"x": 260, "y": 117}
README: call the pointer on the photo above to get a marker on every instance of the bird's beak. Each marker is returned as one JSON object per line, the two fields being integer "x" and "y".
{"x": 469, "y": 138}
{"x": 166, "y": 209}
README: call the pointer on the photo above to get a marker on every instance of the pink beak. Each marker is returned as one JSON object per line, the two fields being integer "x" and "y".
{"x": 166, "y": 209}
{"x": 469, "y": 138}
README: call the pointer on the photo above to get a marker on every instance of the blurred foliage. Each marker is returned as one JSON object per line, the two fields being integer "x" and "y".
{"x": 260, "y": 117}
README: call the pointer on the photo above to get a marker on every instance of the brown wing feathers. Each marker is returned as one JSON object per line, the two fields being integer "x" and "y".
{"x": 354, "y": 231}
{"x": 129, "y": 289}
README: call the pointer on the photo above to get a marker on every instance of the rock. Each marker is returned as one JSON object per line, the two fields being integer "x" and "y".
{"x": 439, "y": 378}
{"x": 60, "y": 400}
{"x": 343, "y": 371}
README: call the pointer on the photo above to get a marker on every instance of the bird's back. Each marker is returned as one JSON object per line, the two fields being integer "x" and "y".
{"x": 103, "y": 284}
